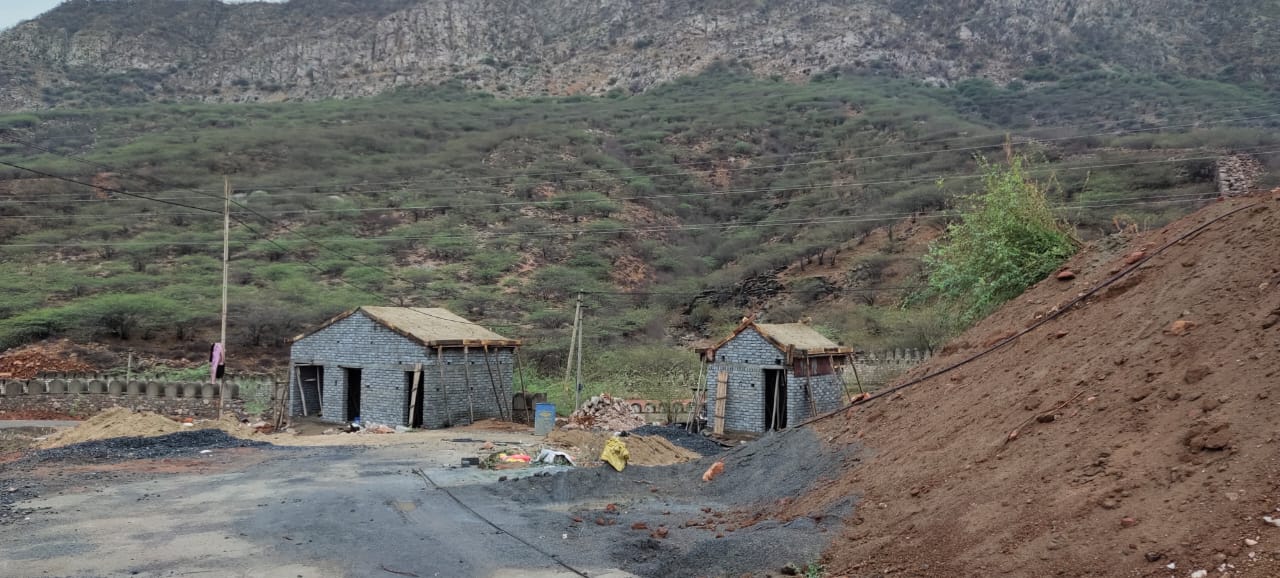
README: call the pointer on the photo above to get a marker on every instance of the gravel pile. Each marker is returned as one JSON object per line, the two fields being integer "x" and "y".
{"x": 678, "y": 436}
{"x": 181, "y": 444}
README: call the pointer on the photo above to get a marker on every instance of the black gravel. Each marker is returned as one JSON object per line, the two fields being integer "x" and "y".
{"x": 181, "y": 444}
{"x": 677, "y": 435}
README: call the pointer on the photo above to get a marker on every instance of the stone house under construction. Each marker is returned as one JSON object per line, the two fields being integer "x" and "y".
{"x": 416, "y": 367}
{"x": 765, "y": 377}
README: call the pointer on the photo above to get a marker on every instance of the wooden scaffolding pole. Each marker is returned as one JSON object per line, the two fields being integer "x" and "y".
{"x": 493, "y": 384}
{"x": 466, "y": 377}
{"x": 444, "y": 387}
{"x": 302, "y": 392}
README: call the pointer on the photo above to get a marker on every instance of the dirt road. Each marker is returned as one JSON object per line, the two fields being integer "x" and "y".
{"x": 390, "y": 510}
{"x": 264, "y": 512}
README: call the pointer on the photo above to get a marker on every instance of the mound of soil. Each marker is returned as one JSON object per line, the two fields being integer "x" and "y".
{"x": 43, "y": 358}
{"x": 644, "y": 450}
{"x": 113, "y": 423}
{"x": 1134, "y": 432}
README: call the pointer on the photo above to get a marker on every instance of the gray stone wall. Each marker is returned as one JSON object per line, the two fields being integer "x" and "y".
{"x": 877, "y": 369}
{"x": 385, "y": 358}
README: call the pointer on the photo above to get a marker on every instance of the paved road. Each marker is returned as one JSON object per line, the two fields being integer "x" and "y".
{"x": 17, "y": 423}
{"x": 314, "y": 512}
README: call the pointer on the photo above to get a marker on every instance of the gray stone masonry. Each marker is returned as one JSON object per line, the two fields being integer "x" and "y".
{"x": 745, "y": 357}
{"x": 386, "y": 360}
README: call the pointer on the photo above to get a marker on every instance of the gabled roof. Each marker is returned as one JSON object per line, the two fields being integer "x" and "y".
{"x": 794, "y": 339}
{"x": 432, "y": 327}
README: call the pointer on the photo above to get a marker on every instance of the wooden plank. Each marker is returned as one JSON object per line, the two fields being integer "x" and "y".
{"x": 722, "y": 399}
{"x": 302, "y": 392}
{"x": 416, "y": 396}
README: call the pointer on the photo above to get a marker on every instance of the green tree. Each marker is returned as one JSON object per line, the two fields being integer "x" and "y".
{"x": 1007, "y": 240}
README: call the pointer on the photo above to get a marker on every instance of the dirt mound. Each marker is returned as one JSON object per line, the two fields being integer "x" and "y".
{"x": 42, "y": 358}
{"x": 114, "y": 423}
{"x": 644, "y": 450}
{"x": 1134, "y": 435}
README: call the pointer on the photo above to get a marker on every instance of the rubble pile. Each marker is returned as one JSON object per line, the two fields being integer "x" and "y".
{"x": 604, "y": 412}
{"x": 31, "y": 361}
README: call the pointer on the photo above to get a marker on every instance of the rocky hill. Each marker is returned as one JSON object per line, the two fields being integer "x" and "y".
{"x": 122, "y": 51}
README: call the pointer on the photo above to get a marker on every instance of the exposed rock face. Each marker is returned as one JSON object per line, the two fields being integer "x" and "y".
{"x": 310, "y": 49}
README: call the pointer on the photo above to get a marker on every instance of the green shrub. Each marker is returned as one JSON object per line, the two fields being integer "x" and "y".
{"x": 1007, "y": 240}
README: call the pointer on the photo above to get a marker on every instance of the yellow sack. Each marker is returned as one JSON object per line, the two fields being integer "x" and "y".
{"x": 615, "y": 454}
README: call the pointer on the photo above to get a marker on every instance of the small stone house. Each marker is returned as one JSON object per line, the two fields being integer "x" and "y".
{"x": 416, "y": 367}
{"x": 767, "y": 376}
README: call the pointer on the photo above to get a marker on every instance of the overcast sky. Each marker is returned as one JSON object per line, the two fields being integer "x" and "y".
{"x": 15, "y": 11}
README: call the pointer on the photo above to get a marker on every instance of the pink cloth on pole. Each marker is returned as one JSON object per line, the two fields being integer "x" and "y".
{"x": 215, "y": 359}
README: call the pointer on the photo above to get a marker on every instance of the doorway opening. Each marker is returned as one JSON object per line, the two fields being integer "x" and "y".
{"x": 353, "y": 392}
{"x": 775, "y": 399}
{"x": 415, "y": 405}
{"x": 311, "y": 380}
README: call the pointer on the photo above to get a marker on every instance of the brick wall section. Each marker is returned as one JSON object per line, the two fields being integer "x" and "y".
{"x": 745, "y": 358}
{"x": 384, "y": 358}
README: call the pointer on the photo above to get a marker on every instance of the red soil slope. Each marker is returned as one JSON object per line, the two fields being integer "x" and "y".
{"x": 1147, "y": 423}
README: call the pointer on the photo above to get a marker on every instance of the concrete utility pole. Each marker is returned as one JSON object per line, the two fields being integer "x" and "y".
{"x": 226, "y": 257}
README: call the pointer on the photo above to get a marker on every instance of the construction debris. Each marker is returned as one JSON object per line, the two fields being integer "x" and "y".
{"x": 713, "y": 471}
{"x": 40, "y": 359}
{"x": 604, "y": 412}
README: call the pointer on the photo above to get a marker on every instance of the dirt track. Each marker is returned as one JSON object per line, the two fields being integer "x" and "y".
{"x": 1145, "y": 426}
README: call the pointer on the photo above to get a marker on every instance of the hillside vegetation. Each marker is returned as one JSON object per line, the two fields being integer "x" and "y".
{"x": 674, "y": 212}
{"x": 137, "y": 51}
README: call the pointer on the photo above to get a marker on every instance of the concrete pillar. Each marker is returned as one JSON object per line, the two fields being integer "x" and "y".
{"x": 133, "y": 389}
{"x": 12, "y": 388}
{"x": 97, "y": 386}
{"x": 76, "y": 386}
{"x": 208, "y": 391}
{"x": 115, "y": 387}
{"x": 191, "y": 390}
{"x": 233, "y": 391}
{"x": 171, "y": 390}
{"x": 153, "y": 389}
{"x": 57, "y": 387}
